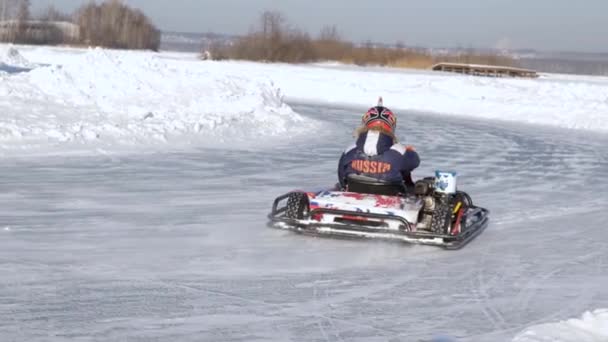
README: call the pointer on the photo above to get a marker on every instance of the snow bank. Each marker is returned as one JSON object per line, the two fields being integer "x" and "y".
{"x": 591, "y": 327}
{"x": 10, "y": 56}
{"x": 61, "y": 98}
{"x": 12, "y": 62}
{"x": 556, "y": 100}
{"x": 84, "y": 99}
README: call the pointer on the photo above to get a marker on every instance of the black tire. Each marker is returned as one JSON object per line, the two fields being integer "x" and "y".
{"x": 297, "y": 206}
{"x": 442, "y": 218}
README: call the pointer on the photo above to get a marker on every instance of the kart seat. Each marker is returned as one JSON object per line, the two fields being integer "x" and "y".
{"x": 368, "y": 185}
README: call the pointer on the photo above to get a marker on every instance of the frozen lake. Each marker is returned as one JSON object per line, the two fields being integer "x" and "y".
{"x": 174, "y": 247}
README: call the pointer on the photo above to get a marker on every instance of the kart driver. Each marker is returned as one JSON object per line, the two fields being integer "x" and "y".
{"x": 376, "y": 152}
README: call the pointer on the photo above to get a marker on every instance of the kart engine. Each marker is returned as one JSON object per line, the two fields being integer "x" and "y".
{"x": 435, "y": 214}
{"x": 424, "y": 188}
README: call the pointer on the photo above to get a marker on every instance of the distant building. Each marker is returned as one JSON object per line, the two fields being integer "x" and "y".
{"x": 484, "y": 70}
{"x": 39, "y": 32}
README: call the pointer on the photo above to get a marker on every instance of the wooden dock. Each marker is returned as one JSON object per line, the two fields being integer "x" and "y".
{"x": 485, "y": 70}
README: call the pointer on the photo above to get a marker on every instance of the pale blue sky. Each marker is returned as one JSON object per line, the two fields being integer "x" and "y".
{"x": 539, "y": 24}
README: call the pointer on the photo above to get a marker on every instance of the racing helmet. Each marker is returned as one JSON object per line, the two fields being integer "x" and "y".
{"x": 380, "y": 117}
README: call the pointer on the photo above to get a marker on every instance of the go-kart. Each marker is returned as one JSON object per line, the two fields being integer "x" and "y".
{"x": 431, "y": 212}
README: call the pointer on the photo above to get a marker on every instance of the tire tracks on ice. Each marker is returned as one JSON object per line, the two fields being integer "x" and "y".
{"x": 303, "y": 310}
{"x": 479, "y": 288}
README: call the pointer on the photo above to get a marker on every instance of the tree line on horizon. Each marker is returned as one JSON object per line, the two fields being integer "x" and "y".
{"x": 275, "y": 40}
{"x": 113, "y": 24}
{"x": 110, "y": 24}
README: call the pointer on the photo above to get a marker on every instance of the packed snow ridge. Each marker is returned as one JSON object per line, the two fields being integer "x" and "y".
{"x": 591, "y": 327}
{"x": 68, "y": 99}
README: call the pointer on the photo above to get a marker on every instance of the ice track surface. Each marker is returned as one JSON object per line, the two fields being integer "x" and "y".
{"x": 174, "y": 247}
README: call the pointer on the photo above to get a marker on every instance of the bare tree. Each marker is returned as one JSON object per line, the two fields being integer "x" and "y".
{"x": 272, "y": 22}
{"x": 23, "y": 15}
{"x": 23, "y": 10}
{"x": 7, "y": 9}
{"x": 330, "y": 46}
{"x": 14, "y": 14}
{"x": 273, "y": 31}
{"x": 53, "y": 14}
{"x": 113, "y": 24}
{"x": 329, "y": 33}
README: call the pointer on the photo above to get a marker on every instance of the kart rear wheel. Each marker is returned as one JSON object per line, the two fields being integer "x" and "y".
{"x": 443, "y": 218}
{"x": 297, "y": 206}
{"x": 440, "y": 223}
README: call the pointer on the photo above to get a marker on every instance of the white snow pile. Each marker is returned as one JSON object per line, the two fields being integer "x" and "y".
{"x": 591, "y": 327}
{"x": 11, "y": 58}
{"x": 111, "y": 100}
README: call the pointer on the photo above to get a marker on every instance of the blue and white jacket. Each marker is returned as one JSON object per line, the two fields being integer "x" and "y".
{"x": 375, "y": 155}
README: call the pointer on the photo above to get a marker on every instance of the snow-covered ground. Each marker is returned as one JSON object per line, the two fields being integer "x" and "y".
{"x": 557, "y": 100}
{"x": 172, "y": 246}
{"x": 591, "y": 327}
{"x": 59, "y": 99}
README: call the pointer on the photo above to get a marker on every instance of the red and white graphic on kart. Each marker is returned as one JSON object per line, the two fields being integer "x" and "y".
{"x": 405, "y": 207}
